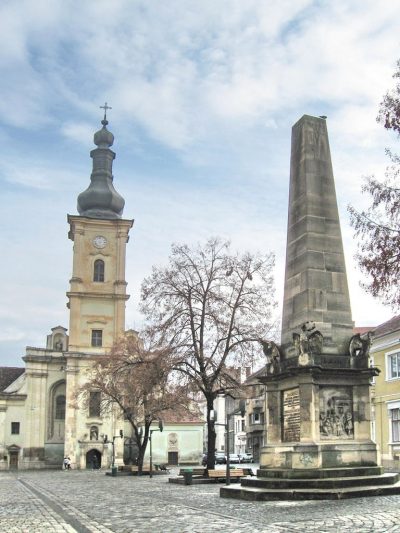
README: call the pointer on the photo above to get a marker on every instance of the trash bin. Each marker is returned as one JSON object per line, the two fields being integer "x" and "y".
{"x": 114, "y": 470}
{"x": 188, "y": 476}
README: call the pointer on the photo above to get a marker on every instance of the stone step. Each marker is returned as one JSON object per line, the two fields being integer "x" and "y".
{"x": 297, "y": 473}
{"x": 322, "y": 483}
{"x": 258, "y": 494}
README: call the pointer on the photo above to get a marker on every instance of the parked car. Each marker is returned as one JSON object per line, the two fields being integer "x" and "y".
{"x": 220, "y": 458}
{"x": 234, "y": 458}
{"x": 246, "y": 457}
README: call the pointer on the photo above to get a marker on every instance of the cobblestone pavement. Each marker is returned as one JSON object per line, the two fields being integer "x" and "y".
{"x": 89, "y": 501}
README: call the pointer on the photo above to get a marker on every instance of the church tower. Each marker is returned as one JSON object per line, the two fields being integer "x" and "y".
{"x": 97, "y": 292}
{"x": 97, "y": 298}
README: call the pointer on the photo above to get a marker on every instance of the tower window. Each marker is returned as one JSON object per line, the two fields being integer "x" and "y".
{"x": 60, "y": 407}
{"x": 98, "y": 271}
{"x": 94, "y": 404}
{"x": 14, "y": 428}
{"x": 97, "y": 337}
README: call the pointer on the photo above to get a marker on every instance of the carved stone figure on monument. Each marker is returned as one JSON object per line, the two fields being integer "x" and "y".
{"x": 309, "y": 340}
{"x": 273, "y": 354}
{"x": 359, "y": 350}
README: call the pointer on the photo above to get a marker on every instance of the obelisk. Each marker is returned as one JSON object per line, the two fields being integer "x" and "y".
{"x": 317, "y": 435}
{"x": 315, "y": 279}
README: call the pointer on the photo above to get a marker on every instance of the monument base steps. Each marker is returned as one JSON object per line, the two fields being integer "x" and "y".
{"x": 330, "y": 484}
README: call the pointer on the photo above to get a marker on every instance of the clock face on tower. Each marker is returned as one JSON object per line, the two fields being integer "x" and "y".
{"x": 99, "y": 241}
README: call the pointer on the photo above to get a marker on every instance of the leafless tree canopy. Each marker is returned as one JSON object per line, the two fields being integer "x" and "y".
{"x": 379, "y": 226}
{"x": 140, "y": 382}
{"x": 210, "y": 307}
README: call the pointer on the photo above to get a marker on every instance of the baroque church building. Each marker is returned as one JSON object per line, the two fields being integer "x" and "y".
{"x": 40, "y": 419}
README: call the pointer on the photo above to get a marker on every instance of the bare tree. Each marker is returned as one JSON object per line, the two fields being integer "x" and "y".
{"x": 210, "y": 307}
{"x": 140, "y": 382}
{"x": 379, "y": 226}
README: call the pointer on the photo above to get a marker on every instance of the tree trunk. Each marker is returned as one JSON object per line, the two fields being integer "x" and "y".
{"x": 210, "y": 434}
{"x": 142, "y": 450}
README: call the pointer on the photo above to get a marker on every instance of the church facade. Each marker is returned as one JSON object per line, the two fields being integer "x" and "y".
{"x": 41, "y": 418}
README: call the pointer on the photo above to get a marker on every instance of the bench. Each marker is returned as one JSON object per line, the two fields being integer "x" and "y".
{"x": 248, "y": 472}
{"x": 235, "y": 473}
{"x": 127, "y": 468}
{"x": 135, "y": 468}
{"x": 161, "y": 468}
{"x": 195, "y": 471}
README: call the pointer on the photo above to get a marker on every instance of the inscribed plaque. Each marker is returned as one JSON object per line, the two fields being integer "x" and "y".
{"x": 291, "y": 415}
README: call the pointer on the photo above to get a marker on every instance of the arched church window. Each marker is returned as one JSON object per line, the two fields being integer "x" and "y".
{"x": 98, "y": 273}
{"x": 60, "y": 407}
{"x": 94, "y": 403}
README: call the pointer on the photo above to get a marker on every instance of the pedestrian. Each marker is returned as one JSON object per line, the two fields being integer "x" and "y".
{"x": 65, "y": 463}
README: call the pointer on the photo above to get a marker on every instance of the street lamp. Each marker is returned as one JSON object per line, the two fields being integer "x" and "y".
{"x": 241, "y": 409}
{"x": 105, "y": 440}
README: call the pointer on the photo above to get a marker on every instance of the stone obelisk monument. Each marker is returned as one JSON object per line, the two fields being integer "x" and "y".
{"x": 317, "y": 393}
{"x": 315, "y": 279}
{"x": 317, "y": 438}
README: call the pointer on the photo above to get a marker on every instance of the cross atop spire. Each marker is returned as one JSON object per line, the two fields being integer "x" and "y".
{"x": 105, "y": 107}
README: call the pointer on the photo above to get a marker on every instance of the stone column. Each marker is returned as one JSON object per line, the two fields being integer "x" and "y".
{"x": 35, "y": 416}
{"x": 71, "y": 412}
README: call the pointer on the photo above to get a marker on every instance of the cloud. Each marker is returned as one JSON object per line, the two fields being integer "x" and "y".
{"x": 36, "y": 174}
{"x": 183, "y": 73}
{"x": 203, "y": 106}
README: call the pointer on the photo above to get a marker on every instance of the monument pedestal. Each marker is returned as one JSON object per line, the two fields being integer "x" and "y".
{"x": 318, "y": 444}
{"x": 318, "y": 416}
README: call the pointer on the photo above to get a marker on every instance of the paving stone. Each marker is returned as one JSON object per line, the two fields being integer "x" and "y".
{"x": 89, "y": 501}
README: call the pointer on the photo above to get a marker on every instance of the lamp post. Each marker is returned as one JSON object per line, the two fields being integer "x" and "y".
{"x": 241, "y": 409}
{"x": 105, "y": 440}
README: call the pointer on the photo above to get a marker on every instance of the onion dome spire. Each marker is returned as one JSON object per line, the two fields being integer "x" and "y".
{"x": 100, "y": 199}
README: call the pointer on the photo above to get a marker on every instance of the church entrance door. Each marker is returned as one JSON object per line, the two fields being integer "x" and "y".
{"x": 93, "y": 459}
{"x": 14, "y": 460}
{"x": 172, "y": 458}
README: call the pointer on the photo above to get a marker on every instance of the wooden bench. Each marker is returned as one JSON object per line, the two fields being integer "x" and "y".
{"x": 195, "y": 471}
{"x": 127, "y": 468}
{"x": 135, "y": 468}
{"x": 235, "y": 473}
{"x": 161, "y": 468}
{"x": 248, "y": 472}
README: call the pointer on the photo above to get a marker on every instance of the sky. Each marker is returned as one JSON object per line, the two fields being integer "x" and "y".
{"x": 203, "y": 96}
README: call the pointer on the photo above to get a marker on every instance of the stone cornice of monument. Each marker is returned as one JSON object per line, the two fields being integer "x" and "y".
{"x": 316, "y": 291}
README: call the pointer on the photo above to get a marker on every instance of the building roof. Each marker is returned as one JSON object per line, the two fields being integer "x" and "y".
{"x": 363, "y": 329}
{"x": 100, "y": 199}
{"x": 8, "y": 374}
{"x": 387, "y": 327}
{"x": 182, "y": 416}
{"x": 253, "y": 377}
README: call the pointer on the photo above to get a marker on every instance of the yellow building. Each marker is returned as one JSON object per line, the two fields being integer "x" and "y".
{"x": 385, "y": 353}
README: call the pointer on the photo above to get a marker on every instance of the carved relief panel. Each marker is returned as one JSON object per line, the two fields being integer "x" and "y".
{"x": 336, "y": 413}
